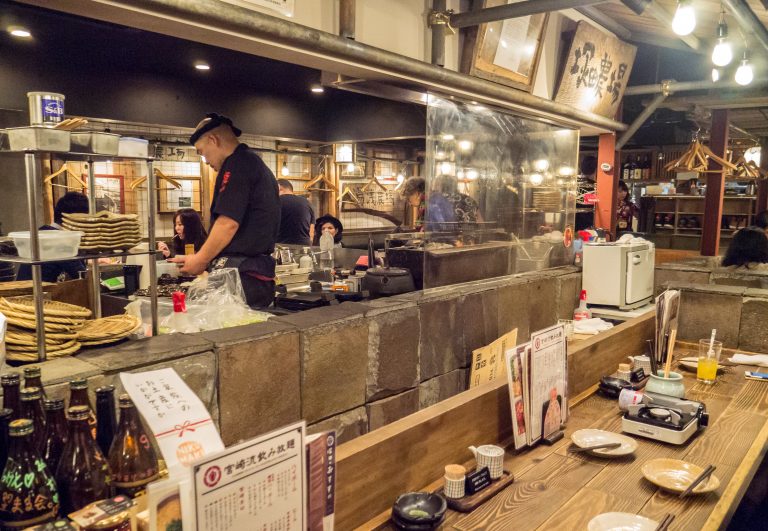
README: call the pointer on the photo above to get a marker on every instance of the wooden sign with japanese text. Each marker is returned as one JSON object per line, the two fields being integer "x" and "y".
{"x": 596, "y": 71}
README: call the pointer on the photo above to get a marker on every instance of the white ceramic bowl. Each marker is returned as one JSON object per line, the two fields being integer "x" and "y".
{"x": 621, "y": 522}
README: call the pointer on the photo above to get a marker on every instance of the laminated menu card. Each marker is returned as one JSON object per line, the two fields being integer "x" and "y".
{"x": 517, "y": 376}
{"x": 548, "y": 379}
{"x": 178, "y": 419}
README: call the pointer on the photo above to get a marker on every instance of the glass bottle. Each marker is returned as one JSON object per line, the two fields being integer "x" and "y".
{"x": 32, "y": 408}
{"x": 78, "y": 396}
{"x": 6, "y": 415}
{"x": 11, "y": 386}
{"x": 83, "y": 473}
{"x": 132, "y": 458}
{"x": 28, "y": 493}
{"x": 55, "y": 432}
{"x": 33, "y": 378}
{"x": 106, "y": 423}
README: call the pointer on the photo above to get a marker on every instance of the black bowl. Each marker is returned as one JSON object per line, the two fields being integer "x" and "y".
{"x": 424, "y": 526}
{"x": 419, "y": 508}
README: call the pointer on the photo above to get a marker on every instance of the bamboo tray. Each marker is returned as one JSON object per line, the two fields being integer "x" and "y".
{"x": 26, "y": 304}
{"x": 111, "y": 328}
{"x": 470, "y": 503}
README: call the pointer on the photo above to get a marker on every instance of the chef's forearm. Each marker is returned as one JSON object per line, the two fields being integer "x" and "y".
{"x": 223, "y": 231}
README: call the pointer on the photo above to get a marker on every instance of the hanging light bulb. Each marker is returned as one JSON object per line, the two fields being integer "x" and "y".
{"x": 744, "y": 74}
{"x": 685, "y": 18}
{"x": 722, "y": 54}
{"x": 715, "y": 75}
{"x": 284, "y": 170}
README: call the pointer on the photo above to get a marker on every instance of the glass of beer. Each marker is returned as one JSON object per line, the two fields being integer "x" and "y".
{"x": 709, "y": 356}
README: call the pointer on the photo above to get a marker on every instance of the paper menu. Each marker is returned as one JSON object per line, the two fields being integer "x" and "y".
{"x": 516, "y": 363}
{"x": 178, "y": 419}
{"x": 258, "y": 484}
{"x": 548, "y": 381}
{"x": 488, "y": 362}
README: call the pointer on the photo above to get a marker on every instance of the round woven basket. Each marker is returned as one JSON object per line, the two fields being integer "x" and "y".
{"x": 14, "y": 355}
{"x": 52, "y": 308}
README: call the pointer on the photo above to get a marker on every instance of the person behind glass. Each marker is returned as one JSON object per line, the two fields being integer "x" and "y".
{"x": 245, "y": 211}
{"x": 296, "y": 216}
{"x": 429, "y": 212}
{"x": 70, "y": 203}
{"x": 748, "y": 249}
{"x": 188, "y": 229}
{"x": 626, "y": 209}
{"x": 330, "y": 225}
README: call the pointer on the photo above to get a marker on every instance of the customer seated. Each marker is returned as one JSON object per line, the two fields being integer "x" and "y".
{"x": 748, "y": 249}
{"x": 330, "y": 225}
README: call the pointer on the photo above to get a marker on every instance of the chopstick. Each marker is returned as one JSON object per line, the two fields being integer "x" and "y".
{"x": 652, "y": 356}
{"x": 664, "y": 524}
{"x": 670, "y": 351}
{"x": 704, "y": 475}
{"x": 596, "y": 447}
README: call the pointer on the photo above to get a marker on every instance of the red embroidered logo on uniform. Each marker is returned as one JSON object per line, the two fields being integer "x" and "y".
{"x": 224, "y": 181}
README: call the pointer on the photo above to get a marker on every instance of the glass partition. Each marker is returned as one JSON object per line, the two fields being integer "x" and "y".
{"x": 499, "y": 196}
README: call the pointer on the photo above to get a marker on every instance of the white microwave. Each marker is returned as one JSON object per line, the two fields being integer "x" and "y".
{"x": 619, "y": 274}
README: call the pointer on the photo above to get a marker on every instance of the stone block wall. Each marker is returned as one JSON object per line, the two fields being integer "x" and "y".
{"x": 353, "y": 367}
{"x": 707, "y": 270}
{"x": 738, "y": 313}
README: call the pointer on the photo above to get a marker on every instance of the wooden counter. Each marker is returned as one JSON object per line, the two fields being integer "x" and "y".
{"x": 554, "y": 489}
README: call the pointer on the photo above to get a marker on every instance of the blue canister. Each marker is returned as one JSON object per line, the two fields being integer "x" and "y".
{"x": 45, "y": 108}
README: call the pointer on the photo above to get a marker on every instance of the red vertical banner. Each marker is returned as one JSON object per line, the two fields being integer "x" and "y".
{"x": 607, "y": 183}
{"x": 713, "y": 202}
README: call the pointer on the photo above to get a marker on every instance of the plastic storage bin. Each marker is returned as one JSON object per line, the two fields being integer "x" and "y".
{"x": 53, "y": 243}
{"x": 37, "y": 137}
{"x": 95, "y": 142}
{"x": 133, "y": 147}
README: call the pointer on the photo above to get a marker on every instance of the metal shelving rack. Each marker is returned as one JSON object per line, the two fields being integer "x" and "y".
{"x": 31, "y": 165}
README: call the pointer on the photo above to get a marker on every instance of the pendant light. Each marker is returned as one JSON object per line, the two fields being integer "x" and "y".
{"x": 744, "y": 73}
{"x": 284, "y": 171}
{"x": 684, "y": 21}
{"x": 722, "y": 54}
{"x": 715, "y": 75}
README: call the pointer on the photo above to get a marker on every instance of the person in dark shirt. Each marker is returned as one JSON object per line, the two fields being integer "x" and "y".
{"x": 70, "y": 203}
{"x": 245, "y": 211}
{"x": 296, "y": 216}
{"x": 188, "y": 229}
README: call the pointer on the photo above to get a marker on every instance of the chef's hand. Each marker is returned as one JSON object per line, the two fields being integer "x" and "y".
{"x": 191, "y": 264}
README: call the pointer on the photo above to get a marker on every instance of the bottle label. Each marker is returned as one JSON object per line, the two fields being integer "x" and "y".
{"x": 131, "y": 484}
{"x": 52, "y": 110}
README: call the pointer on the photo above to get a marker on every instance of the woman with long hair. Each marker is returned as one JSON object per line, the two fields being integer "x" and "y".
{"x": 188, "y": 230}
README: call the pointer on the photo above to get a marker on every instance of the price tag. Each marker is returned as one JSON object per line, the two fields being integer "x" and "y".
{"x": 477, "y": 480}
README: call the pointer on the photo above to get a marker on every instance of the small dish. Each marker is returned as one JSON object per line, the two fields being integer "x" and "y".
{"x": 692, "y": 364}
{"x": 590, "y": 437}
{"x": 419, "y": 509}
{"x": 675, "y": 475}
{"x": 621, "y": 522}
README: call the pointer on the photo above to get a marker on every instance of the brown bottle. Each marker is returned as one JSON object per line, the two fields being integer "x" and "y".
{"x": 10, "y": 383}
{"x": 55, "y": 432}
{"x": 32, "y": 408}
{"x": 105, "y": 417}
{"x": 78, "y": 396}
{"x": 28, "y": 494}
{"x": 83, "y": 474}
{"x": 5, "y": 420}
{"x": 132, "y": 459}
{"x": 33, "y": 378}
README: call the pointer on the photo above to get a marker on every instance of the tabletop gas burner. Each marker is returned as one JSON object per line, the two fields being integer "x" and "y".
{"x": 665, "y": 418}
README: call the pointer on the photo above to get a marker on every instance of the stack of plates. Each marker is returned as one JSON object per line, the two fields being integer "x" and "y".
{"x": 62, "y": 321}
{"x": 107, "y": 330}
{"x": 105, "y": 231}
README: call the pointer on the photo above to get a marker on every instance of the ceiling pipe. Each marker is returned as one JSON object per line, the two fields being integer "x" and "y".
{"x": 640, "y": 120}
{"x": 437, "y": 23}
{"x": 213, "y": 22}
{"x": 640, "y": 7}
{"x": 518, "y": 9}
{"x": 748, "y": 21}
{"x": 347, "y": 19}
{"x": 682, "y": 86}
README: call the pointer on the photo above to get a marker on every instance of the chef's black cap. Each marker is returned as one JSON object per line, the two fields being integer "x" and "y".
{"x": 211, "y": 121}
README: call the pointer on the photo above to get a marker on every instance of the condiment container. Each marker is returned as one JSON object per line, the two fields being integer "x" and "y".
{"x": 672, "y": 386}
{"x": 133, "y": 147}
{"x": 624, "y": 372}
{"x": 37, "y": 138}
{"x": 95, "y": 142}
{"x": 53, "y": 243}
{"x": 45, "y": 108}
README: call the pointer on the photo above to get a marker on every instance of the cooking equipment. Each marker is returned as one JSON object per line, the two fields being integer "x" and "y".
{"x": 95, "y": 142}
{"x": 665, "y": 418}
{"x": 387, "y": 281}
{"x": 619, "y": 273}
{"x": 37, "y": 138}
{"x": 45, "y": 108}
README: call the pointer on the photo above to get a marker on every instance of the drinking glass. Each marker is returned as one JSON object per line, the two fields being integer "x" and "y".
{"x": 706, "y": 372}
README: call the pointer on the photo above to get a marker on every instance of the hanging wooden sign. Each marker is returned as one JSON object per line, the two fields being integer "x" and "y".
{"x": 596, "y": 71}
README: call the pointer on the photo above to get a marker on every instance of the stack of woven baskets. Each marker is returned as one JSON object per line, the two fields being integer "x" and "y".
{"x": 104, "y": 231}
{"x": 107, "y": 330}
{"x": 62, "y": 322}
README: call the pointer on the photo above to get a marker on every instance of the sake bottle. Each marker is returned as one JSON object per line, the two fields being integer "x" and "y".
{"x": 78, "y": 396}
{"x": 132, "y": 458}
{"x": 5, "y": 419}
{"x": 55, "y": 433}
{"x": 83, "y": 473}
{"x": 11, "y": 385}
{"x": 28, "y": 493}
{"x": 33, "y": 378}
{"x": 32, "y": 408}
{"x": 106, "y": 423}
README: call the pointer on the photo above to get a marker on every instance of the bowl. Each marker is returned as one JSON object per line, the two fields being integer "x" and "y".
{"x": 621, "y": 521}
{"x": 53, "y": 243}
{"x": 422, "y": 509}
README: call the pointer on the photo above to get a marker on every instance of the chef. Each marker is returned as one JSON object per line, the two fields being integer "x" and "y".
{"x": 245, "y": 211}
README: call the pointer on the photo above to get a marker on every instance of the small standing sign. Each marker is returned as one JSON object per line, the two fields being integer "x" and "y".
{"x": 258, "y": 484}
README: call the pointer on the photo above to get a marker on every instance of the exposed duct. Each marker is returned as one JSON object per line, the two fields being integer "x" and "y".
{"x": 748, "y": 20}
{"x": 517, "y": 9}
{"x": 682, "y": 86}
{"x": 640, "y": 7}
